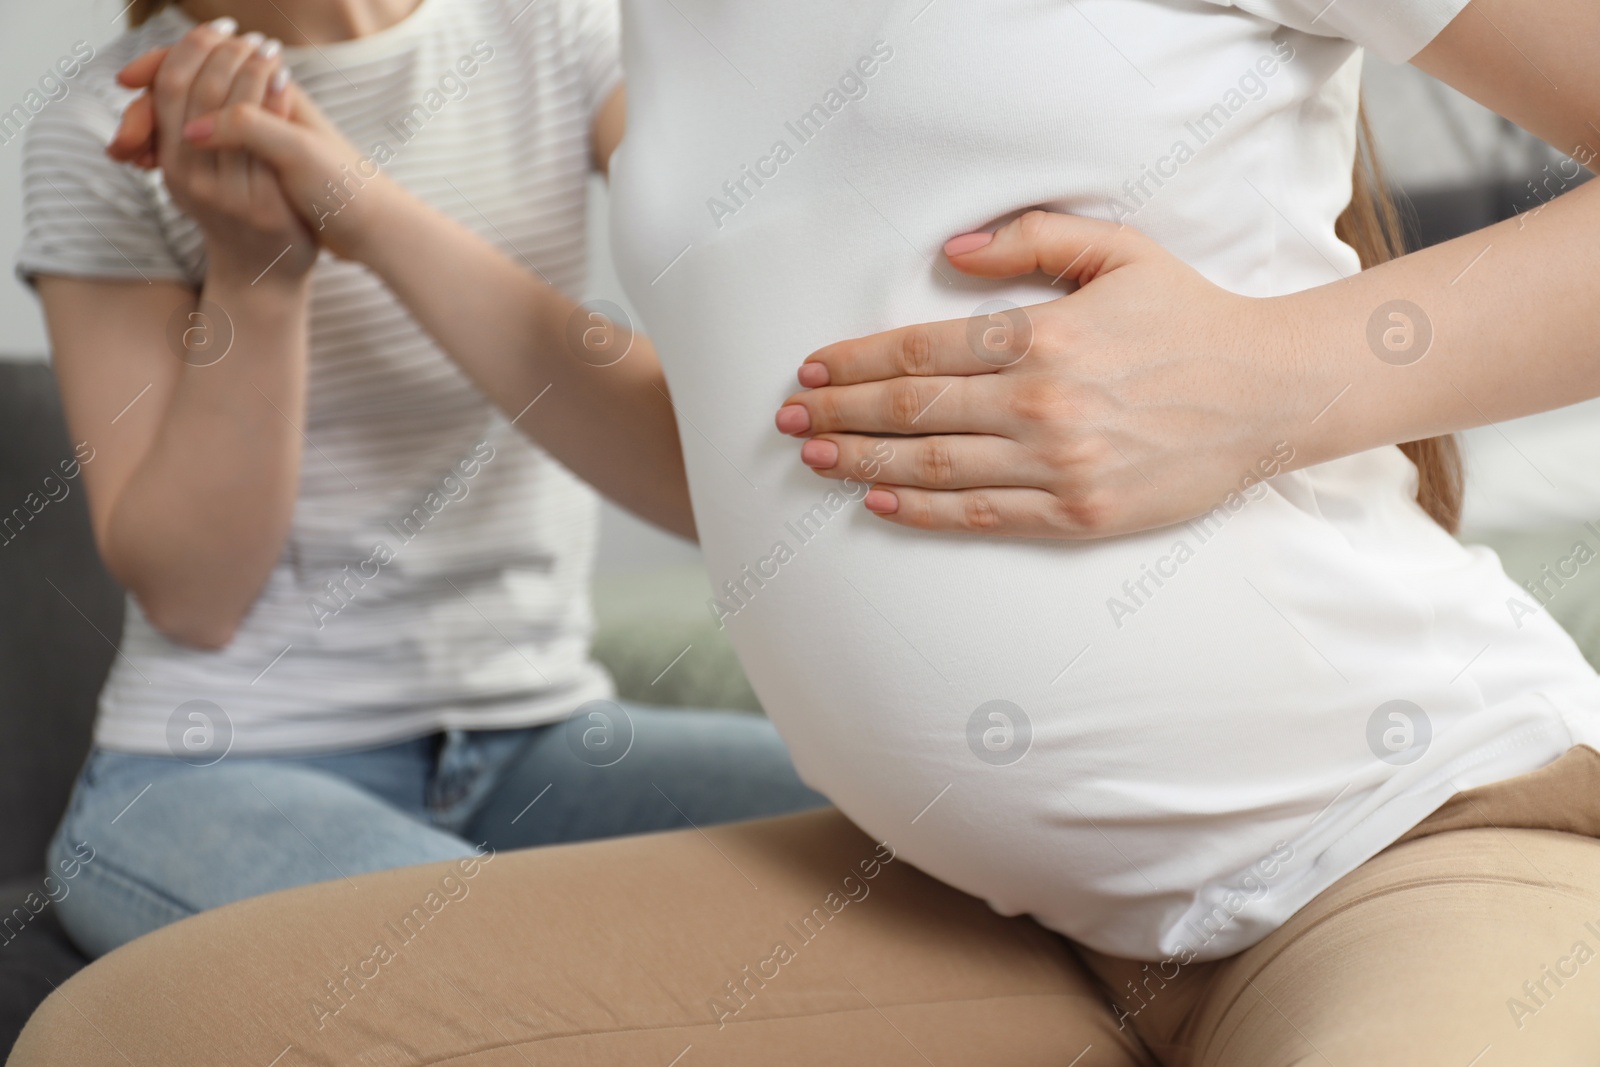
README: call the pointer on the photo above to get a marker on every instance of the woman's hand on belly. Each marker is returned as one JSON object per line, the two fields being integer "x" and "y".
{"x": 1073, "y": 418}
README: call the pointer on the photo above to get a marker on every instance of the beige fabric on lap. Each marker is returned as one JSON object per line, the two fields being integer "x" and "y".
{"x": 603, "y": 953}
{"x": 1474, "y": 941}
{"x": 1457, "y": 946}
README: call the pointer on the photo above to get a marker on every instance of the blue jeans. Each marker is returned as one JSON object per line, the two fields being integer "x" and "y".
{"x": 168, "y": 839}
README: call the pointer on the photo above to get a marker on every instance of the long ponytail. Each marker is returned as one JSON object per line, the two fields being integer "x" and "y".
{"x": 1372, "y": 226}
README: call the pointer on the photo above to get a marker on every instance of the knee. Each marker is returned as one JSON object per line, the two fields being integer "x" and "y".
{"x": 52, "y": 1040}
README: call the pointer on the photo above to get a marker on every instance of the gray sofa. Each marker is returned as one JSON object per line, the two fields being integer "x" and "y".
{"x": 62, "y": 615}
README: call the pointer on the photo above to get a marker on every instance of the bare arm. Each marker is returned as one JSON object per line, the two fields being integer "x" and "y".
{"x": 605, "y": 415}
{"x": 1517, "y": 330}
{"x": 196, "y": 466}
{"x": 192, "y": 400}
{"x": 1150, "y": 392}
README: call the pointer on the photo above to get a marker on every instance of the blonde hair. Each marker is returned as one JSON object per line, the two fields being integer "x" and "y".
{"x": 1372, "y": 226}
{"x": 143, "y": 10}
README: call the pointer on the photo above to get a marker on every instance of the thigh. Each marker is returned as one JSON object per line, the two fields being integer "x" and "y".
{"x": 155, "y": 840}
{"x": 1470, "y": 947}
{"x": 629, "y": 768}
{"x": 780, "y": 942}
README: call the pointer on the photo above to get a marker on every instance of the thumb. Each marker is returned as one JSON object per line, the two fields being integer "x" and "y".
{"x": 1062, "y": 246}
{"x": 248, "y": 128}
{"x": 136, "y": 130}
{"x": 141, "y": 73}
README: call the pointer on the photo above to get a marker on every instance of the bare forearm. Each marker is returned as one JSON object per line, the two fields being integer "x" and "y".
{"x": 1495, "y": 325}
{"x": 1512, "y": 310}
{"x": 606, "y": 418}
{"x": 203, "y": 519}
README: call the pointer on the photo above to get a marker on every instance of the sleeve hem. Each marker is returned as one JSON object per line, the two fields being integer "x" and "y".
{"x": 1421, "y": 31}
{"x": 28, "y": 271}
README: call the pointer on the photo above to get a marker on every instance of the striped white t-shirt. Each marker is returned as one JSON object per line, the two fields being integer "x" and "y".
{"x": 436, "y": 573}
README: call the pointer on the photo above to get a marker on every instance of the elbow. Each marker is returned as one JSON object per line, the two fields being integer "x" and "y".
{"x": 203, "y": 630}
{"x": 190, "y": 617}
{"x": 184, "y": 611}
{"x": 203, "y": 639}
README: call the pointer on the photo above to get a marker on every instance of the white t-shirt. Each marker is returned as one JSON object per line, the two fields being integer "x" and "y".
{"x": 436, "y": 572}
{"x": 1162, "y": 744}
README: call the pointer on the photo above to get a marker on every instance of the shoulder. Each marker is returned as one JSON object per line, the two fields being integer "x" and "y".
{"x": 78, "y": 101}
{"x": 83, "y": 213}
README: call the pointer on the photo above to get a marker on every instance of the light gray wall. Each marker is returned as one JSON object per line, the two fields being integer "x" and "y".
{"x": 1429, "y": 136}
{"x": 33, "y": 35}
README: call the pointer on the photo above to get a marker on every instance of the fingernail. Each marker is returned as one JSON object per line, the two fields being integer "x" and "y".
{"x": 200, "y": 129}
{"x": 881, "y": 502}
{"x": 270, "y": 48}
{"x": 280, "y": 80}
{"x": 813, "y": 375}
{"x": 967, "y": 242}
{"x": 820, "y": 454}
{"x": 792, "y": 418}
{"x": 225, "y": 26}
{"x": 254, "y": 40}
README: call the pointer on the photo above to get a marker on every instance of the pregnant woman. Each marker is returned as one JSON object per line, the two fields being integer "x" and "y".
{"x": 1287, "y": 779}
{"x": 1121, "y": 737}
{"x": 359, "y": 594}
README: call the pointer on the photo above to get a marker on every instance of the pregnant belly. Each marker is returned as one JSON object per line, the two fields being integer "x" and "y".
{"x": 1033, "y": 721}
{"x": 1099, "y": 734}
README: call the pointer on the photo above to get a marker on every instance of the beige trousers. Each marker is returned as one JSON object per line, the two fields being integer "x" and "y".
{"x": 1471, "y": 943}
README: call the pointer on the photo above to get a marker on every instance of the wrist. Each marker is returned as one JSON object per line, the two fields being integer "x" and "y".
{"x": 286, "y": 272}
{"x": 269, "y": 296}
{"x": 1351, "y": 375}
{"x": 366, "y": 227}
{"x": 1301, "y": 381}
